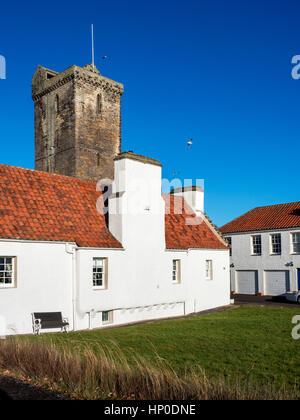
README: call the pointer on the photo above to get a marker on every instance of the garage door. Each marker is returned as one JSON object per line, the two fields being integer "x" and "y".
{"x": 277, "y": 282}
{"x": 247, "y": 282}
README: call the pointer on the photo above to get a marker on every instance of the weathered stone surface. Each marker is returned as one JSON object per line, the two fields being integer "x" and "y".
{"x": 77, "y": 122}
{"x": 139, "y": 158}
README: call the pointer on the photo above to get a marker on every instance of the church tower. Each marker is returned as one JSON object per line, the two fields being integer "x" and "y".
{"x": 77, "y": 122}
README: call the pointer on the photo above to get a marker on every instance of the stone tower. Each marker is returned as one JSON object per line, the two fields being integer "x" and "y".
{"x": 77, "y": 122}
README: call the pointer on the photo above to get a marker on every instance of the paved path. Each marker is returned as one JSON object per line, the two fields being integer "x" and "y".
{"x": 264, "y": 300}
{"x": 14, "y": 389}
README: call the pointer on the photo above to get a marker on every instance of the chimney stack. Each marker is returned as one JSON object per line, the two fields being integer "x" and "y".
{"x": 193, "y": 196}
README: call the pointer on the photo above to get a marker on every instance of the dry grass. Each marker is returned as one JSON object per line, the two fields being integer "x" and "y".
{"x": 91, "y": 376}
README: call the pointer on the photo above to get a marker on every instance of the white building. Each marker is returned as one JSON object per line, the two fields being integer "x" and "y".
{"x": 152, "y": 257}
{"x": 265, "y": 250}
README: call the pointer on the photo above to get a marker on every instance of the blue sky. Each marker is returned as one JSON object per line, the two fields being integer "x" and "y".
{"x": 217, "y": 71}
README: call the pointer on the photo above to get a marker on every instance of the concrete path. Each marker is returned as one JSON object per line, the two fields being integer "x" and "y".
{"x": 263, "y": 301}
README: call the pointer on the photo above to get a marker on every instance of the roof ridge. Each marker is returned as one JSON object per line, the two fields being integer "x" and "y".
{"x": 48, "y": 173}
{"x": 275, "y": 216}
{"x": 276, "y": 205}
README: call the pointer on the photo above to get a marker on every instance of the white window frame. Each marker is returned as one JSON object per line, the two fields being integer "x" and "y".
{"x": 109, "y": 318}
{"x": 176, "y": 271}
{"x": 103, "y": 272}
{"x": 272, "y": 244}
{"x": 253, "y": 245}
{"x": 293, "y": 243}
{"x": 5, "y": 271}
{"x": 209, "y": 270}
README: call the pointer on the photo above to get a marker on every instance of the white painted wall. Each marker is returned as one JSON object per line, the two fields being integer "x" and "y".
{"x": 137, "y": 208}
{"x": 44, "y": 283}
{"x": 243, "y": 260}
{"x": 138, "y": 288}
{"x": 141, "y": 289}
{"x": 56, "y": 278}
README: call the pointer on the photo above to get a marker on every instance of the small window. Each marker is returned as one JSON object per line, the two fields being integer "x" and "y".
{"x": 208, "y": 269}
{"x": 57, "y": 104}
{"x": 276, "y": 244}
{"x": 7, "y": 272}
{"x": 100, "y": 273}
{"x": 256, "y": 245}
{"x": 229, "y": 241}
{"x": 296, "y": 243}
{"x": 99, "y": 104}
{"x": 176, "y": 273}
{"x": 107, "y": 317}
{"x": 98, "y": 159}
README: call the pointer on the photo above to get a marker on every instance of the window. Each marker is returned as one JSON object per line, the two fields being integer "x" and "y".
{"x": 229, "y": 240}
{"x": 99, "y": 104}
{"x": 209, "y": 269}
{"x": 7, "y": 272}
{"x": 99, "y": 273}
{"x": 176, "y": 272}
{"x": 57, "y": 104}
{"x": 98, "y": 159}
{"x": 276, "y": 244}
{"x": 107, "y": 317}
{"x": 296, "y": 243}
{"x": 256, "y": 245}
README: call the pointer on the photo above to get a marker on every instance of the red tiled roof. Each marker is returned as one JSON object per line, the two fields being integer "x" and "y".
{"x": 41, "y": 206}
{"x": 280, "y": 216}
{"x": 184, "y": 230}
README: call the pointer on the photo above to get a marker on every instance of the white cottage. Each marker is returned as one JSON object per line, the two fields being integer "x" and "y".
{"x": 106, "y": 253}
{"x": 265, "y": 250}
{"x": 151, "y": 256}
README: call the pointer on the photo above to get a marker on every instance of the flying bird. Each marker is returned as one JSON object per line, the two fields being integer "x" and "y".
{"x": 189, "y": 143}
{"x": 105, "y": 57}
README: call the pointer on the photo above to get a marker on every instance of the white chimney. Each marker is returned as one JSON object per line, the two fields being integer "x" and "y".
{"x": 136, "y": 206}
{"x": 193, "y": 196}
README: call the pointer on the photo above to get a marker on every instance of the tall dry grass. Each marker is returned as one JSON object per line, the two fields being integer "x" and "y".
{"x": 91, "y": 376}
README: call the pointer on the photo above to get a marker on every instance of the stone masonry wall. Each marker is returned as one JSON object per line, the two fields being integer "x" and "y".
{"x": 77, "y": 122}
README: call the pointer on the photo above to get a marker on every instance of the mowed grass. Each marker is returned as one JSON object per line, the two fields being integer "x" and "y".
{"x": 246, "y": 343}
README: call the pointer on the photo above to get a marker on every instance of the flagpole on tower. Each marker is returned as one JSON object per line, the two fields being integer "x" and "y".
{"x": 93, "y": 56}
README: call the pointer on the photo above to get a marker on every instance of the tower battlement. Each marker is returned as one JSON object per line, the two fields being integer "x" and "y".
{"x": 77, "y": 122}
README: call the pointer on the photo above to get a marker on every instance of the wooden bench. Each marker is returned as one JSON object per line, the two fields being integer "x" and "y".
{"x": 48, "y": 320}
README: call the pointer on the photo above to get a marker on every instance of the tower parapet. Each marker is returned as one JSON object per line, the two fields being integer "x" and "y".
{"x": 77, "y": 122}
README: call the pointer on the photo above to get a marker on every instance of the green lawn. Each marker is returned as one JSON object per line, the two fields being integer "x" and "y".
{"x": 246, "y": 342}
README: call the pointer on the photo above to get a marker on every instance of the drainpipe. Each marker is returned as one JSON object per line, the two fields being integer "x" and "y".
{"x": 71, "y": 249}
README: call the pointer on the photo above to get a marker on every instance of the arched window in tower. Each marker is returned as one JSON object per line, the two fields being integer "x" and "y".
{"x": 99, "y": 104}
{"x": 98, "y": 159}
{"x": 57, "y": 104}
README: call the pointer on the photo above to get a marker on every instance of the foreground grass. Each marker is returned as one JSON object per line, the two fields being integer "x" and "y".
{"x": 91, "y": 376}
{"x": 243, "y": 353}
{"x": 244, "y": 343}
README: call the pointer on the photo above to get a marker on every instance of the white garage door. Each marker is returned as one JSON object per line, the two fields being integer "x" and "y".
{"x": 277, "y": 282}
{"x": 247, "y": 282}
